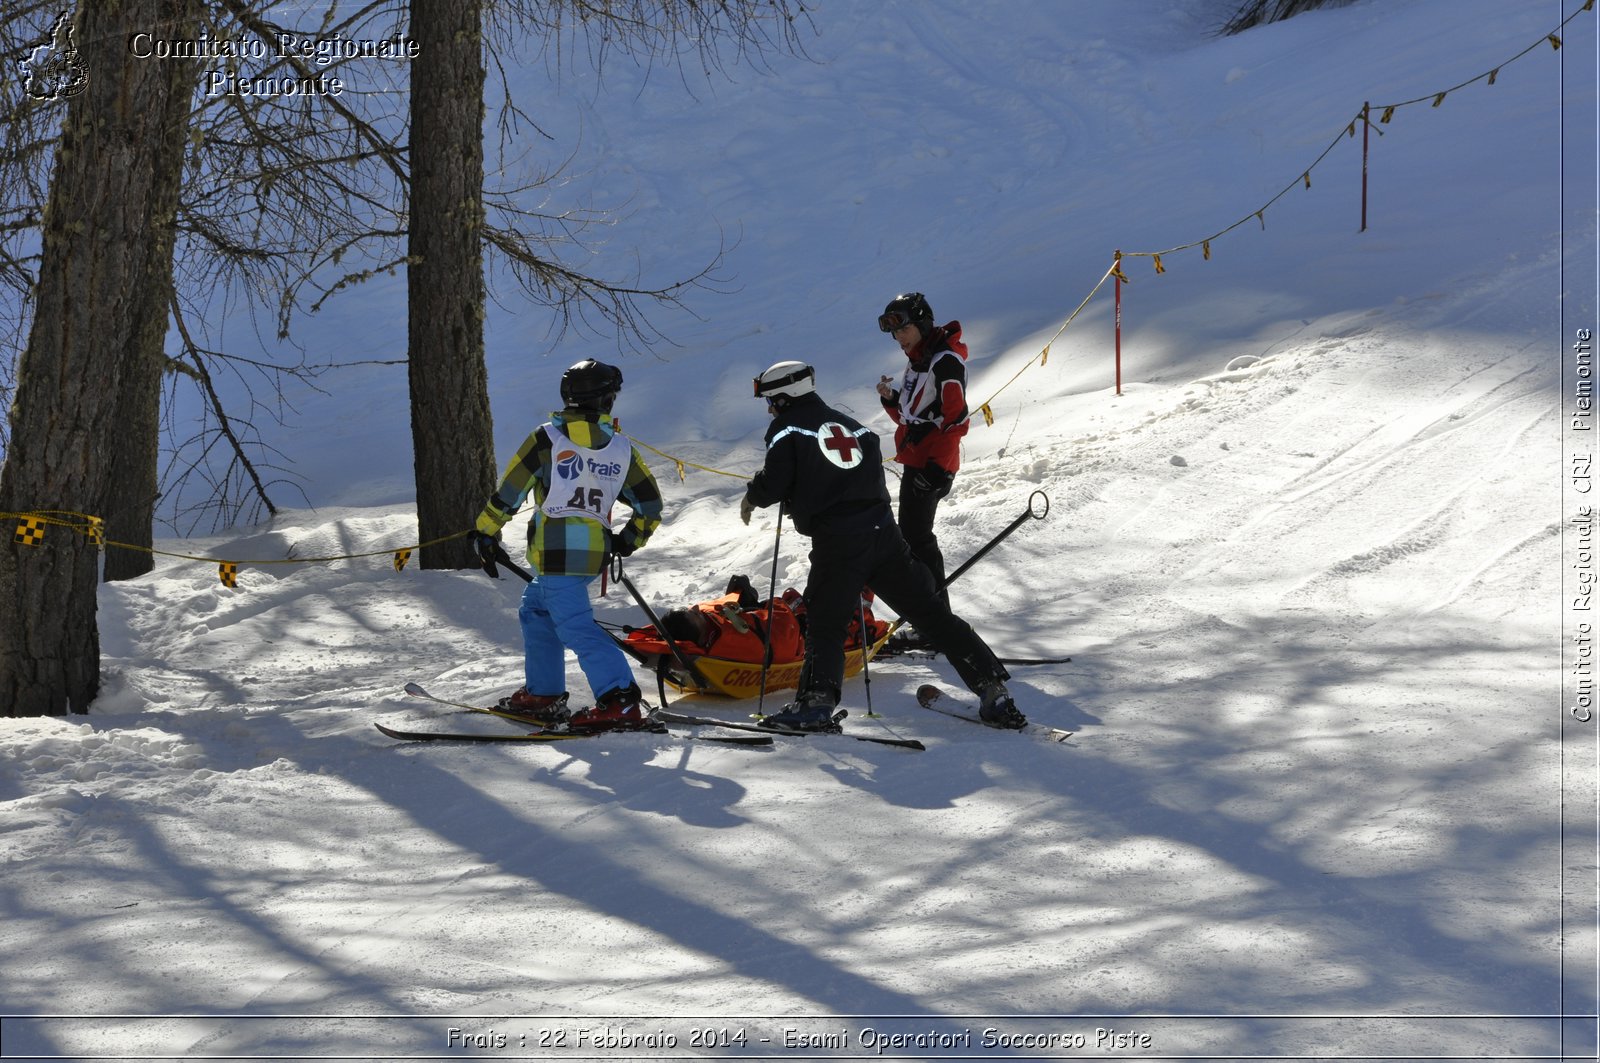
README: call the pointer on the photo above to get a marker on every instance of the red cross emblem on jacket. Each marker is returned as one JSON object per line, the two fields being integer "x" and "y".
{"x": 839, "y": 446}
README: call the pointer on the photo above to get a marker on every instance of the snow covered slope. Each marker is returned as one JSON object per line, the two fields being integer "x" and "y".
{"x": 1306, "y": 566}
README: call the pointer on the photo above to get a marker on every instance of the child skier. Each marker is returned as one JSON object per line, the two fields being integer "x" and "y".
{"x": 576, "y": 465}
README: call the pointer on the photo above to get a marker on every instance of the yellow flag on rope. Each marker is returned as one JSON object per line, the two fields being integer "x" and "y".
{"x": 30, "y": 532}
{"x": 228, "y": 573}
{"x": 401, "y": 557}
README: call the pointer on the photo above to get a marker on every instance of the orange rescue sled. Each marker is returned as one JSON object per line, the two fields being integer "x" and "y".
{"x": 724, "y": 639}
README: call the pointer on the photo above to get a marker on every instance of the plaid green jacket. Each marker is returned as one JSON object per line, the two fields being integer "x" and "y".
{"x": 571, "y": 546}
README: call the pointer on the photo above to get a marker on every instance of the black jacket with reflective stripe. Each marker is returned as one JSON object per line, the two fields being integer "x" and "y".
{"x": 825, "y": 467}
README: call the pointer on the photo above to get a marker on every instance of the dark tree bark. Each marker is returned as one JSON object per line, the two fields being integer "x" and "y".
{"x": 105, "y": 191}
{"x": 451, "y": 429}
{"x": 132, "y": 491}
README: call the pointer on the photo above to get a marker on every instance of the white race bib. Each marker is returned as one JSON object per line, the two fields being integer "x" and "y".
{"x": 583, "y": 482}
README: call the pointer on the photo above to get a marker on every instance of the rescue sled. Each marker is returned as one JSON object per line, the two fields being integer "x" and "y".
{"x": 724, "y": 639}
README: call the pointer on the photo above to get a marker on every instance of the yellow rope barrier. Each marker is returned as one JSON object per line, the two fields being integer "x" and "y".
{"x": 31, "y": 527}
{"x": 683, "y": 464}
{"x": 1434, "y": 99}
{"x": 1302, "y": 180}
{"x": 1044, "y": 355}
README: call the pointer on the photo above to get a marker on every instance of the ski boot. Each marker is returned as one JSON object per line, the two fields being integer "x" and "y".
{"x": 547, "y": 709}
{"x": 807, "y": 713}
{"x": 996, "y": 708}
{"x": 621, "y": 709}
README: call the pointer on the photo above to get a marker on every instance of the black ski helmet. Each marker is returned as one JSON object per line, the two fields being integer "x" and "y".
{"x": 906, "y": 309}
{"x": 591, "y": 385}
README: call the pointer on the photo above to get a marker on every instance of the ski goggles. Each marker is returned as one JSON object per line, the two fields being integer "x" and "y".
{"x": 893, "y": 321}
{"x": 774, "y": 387}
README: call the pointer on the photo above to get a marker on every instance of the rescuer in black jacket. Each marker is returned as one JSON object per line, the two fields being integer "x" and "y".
{"x": 827, "y": 470}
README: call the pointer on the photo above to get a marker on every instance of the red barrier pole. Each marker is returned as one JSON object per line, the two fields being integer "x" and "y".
{"x": 1366, "y": 140}
{"x": 1118, "y": 280}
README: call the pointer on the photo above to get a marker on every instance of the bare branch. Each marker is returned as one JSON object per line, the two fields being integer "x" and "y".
{"x": 225, "y": 427}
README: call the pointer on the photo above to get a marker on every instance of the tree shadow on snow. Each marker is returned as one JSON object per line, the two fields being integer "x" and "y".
{"x": 1374, "y": 792}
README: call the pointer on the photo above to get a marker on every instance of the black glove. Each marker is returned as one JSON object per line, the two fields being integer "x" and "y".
{"x": 917, "y": 431}
{"x": 929, "y": 480}
{"x": 615, "y": 547}
{"x": 487, "y": 547}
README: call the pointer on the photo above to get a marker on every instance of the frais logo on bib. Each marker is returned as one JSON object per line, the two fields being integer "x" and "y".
{"x": 584, "y": 482}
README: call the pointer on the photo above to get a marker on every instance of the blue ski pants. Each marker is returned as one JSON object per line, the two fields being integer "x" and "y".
{"x": 556, "y": 616}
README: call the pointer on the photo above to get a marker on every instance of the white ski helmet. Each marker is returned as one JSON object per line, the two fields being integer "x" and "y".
{"x": 786, "y": 380}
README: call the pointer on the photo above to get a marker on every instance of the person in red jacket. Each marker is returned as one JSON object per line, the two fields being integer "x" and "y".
{"x": 929, "y": 410}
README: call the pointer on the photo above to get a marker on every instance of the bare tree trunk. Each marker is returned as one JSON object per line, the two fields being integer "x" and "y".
{"x": 103, "y": 195}
{"x": 451, "y": 431}
{"x": 132, "y": 491}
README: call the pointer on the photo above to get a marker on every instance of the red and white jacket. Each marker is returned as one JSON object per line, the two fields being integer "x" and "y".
{"x": 930, "y": 408}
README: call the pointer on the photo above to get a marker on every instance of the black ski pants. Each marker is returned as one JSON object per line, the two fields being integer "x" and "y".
{"x": 921, "y": 490}
{"x": 841, "y": 565}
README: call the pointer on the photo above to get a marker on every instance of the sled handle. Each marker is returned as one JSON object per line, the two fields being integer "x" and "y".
{"x": 1009, "y": 528}
{"x": 700, "y": 681}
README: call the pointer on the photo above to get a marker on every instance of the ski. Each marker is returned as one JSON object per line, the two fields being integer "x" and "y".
{"x": 416, "y": 691}
{"x": 891, "y": 651}
{"x": 561, "y": 736}
{"x": 544, "y": 734}
{"x": 507, "y": 714}
{"x": 929, "y": 696}
{"x": 707, "y": 721}
{"x": 450, "y": 736}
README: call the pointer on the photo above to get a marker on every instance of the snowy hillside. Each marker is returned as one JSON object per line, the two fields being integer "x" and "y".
{"x": 1319, "y": 802}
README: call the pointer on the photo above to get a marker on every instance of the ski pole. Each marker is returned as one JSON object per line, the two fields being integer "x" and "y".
{"x": 866, "y": 651}
{"x": 990, "y": 545}
{"x": 1009, "y": 528}
{"x": 772, "y": 607}
{"x": 504, "y": 558}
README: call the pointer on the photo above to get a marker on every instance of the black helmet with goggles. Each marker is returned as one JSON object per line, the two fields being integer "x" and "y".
{"x": 910, "y": 308}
